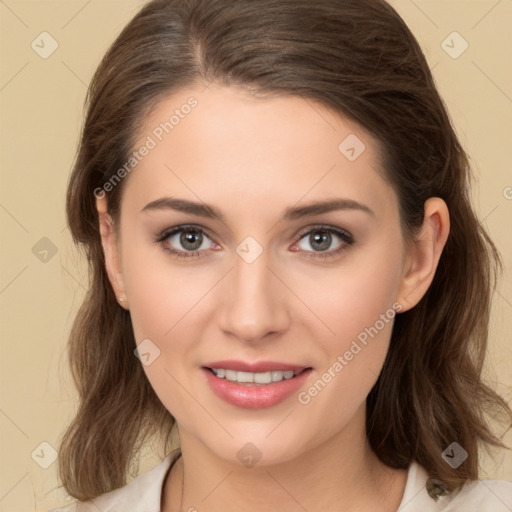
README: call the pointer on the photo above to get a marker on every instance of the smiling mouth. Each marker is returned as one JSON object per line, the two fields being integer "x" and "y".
{"x": 252, "y": 378}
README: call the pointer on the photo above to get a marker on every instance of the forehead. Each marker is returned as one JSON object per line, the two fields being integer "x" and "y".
{"x": 222, "y": 144}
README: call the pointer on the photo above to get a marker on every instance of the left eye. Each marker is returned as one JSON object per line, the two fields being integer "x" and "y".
{"x": 320, "y": 240}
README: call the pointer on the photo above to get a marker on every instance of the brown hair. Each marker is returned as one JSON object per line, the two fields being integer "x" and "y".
{"x": 358, "y": 58}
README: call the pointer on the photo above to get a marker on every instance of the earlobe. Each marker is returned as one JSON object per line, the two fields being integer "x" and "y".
{"x": 424, "y": 253}
{"x": 111, "y": 251}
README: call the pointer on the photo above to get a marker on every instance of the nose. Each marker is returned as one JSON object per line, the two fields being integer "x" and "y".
{"x": 254, "y": 301}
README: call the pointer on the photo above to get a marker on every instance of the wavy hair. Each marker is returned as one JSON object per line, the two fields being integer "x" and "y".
{"x": 358, "y": 58}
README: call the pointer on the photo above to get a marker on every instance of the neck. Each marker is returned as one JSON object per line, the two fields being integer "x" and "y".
{"x": 341, "y": 473}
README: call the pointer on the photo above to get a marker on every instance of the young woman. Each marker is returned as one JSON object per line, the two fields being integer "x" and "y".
{"x": 285, "y": 266}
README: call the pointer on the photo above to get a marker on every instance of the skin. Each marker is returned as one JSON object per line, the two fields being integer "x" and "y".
{"x": 252, "y": 158}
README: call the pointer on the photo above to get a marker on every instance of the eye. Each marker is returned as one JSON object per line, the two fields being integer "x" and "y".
{"x": 192, "y": 242}
{"x": 320, "y": 239}
{"x": 185, "y": 241}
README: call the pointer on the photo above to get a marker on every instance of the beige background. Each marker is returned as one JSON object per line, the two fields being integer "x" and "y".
{"x": 41, "y": 104}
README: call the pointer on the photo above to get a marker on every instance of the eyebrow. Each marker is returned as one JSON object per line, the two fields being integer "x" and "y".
{"x": 291, "y": 213}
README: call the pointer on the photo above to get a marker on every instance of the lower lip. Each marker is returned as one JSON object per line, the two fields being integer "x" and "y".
{"x": 254, "y": 396}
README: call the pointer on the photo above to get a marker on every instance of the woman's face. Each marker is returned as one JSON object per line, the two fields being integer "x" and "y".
{"x": 270, "y": 282}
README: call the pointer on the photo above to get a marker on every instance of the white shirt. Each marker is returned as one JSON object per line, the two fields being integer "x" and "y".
{"x": 143, "y": 494}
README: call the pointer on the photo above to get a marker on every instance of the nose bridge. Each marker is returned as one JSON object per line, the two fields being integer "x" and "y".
{"x": 251, "y": 278}
{"x": 254, "y": 304}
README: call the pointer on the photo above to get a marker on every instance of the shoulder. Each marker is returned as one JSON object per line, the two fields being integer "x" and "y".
{"x": 142, "y": 494}
{"x": 477, "y": 496}
{"x": 483, "y": 496}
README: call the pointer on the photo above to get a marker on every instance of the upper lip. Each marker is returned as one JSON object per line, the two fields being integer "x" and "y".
{"x": 256, "y": 367}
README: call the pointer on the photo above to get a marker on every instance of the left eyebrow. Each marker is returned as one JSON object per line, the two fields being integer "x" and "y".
{"x": 291, "y": 213}
{"x": 319, "y": 207}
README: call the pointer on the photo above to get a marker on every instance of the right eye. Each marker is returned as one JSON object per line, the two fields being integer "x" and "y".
{"x": 185, "y": 241}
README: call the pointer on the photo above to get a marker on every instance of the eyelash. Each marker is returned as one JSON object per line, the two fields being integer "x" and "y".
{"x": 345, "y": 236}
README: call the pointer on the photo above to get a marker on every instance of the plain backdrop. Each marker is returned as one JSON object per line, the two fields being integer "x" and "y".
{"x": 42, "y": 276}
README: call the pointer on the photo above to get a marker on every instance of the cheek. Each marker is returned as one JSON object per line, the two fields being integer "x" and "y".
{"x": 161, "y": 292}
{"x": 166, "y": 303}
{"x": 159, "y": 300}
{"x": 163, "y": 301}
{"x": 353, "y": 295}
{"x": 357, "y": 309}
{"x": 351, "y": 363}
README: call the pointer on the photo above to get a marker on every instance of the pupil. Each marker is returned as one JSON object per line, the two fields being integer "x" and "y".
{"x": 187, "y": 240}
{"x": 323, "y": 238}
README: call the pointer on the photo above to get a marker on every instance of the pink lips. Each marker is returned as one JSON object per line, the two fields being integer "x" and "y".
{"x": 252, "y": 396}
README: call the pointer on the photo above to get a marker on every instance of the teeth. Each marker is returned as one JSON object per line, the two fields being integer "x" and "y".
{"x": 230, "y": 375}
{"x": 254, "y": 378}
{"x": 244, "y": 376}
{"x": 267, "y": 377}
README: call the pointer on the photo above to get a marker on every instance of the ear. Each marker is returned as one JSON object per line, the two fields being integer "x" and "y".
{"x": 424, "y": 252}
{"x": 110, "y": 246}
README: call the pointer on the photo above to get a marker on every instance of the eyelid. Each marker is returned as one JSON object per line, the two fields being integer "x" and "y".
{"x": 324, "y": 227}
